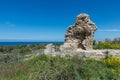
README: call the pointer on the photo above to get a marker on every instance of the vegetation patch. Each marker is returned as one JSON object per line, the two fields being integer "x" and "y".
{"x": 44, "y": 67}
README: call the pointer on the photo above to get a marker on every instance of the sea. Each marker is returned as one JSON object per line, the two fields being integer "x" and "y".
{"x": 26, "y": 43}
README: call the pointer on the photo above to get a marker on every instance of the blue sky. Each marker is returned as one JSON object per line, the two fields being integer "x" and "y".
{"x": 47, "y": 20}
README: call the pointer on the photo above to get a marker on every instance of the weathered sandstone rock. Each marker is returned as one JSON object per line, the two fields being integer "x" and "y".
{"x": 79, "y": 40}
{"x": 80, "y": 35}
{"x": 50, "y": 49}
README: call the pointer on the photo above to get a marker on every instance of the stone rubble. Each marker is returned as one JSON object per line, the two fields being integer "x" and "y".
{"x": 80, "y": 35}
{"x": 97, "y": 54}
{"x": 50, "y": 49}
{"x": 79, "y": 40}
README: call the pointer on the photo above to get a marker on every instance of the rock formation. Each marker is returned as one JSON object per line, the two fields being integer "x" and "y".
{"x": 81, "y": 34}
{"x": 50, "y": 49}
{"x": 79, "y": 40}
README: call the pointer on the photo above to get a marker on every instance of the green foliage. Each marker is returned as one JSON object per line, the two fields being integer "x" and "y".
{"x": 21, "y": 48}
{"x": 45, "y": 67}
{"x": 107, "y": 45}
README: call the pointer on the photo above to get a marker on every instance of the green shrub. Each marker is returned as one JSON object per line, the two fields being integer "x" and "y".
{"x": 106, "y": 45}
{"x": 45, "y": 67}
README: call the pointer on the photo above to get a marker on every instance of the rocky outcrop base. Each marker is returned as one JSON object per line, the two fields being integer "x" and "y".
{"x": 97, "y": 54}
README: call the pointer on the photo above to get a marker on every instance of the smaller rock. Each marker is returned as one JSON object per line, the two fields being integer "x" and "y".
{"x": 50, "y": 49}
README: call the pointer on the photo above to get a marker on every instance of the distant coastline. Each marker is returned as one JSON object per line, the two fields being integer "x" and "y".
{"x": 26, "y": 43}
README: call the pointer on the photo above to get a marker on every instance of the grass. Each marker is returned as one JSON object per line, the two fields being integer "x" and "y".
{"x": 44, "y": 67}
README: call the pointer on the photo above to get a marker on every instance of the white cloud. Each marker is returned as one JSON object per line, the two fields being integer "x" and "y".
{"x": 109, "y": 30}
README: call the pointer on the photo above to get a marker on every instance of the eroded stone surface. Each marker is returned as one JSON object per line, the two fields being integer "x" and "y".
{"x": 79, "y": 40}
{"x": 97, "y": 54}
{"x": 80, "y": 35}
{"x": 50, "y": 49}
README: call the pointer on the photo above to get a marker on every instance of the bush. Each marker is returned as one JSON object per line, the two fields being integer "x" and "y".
{"x": 44, "y": 67}
{"x": 106, "y": 45}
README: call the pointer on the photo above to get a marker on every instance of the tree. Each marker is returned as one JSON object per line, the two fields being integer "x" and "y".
{"x": 116, "y": 40}
{"x": 108, "y": 40}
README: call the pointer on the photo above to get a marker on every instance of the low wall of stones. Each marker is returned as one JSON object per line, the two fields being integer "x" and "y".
{"x": 97, "y": 54}
{"x": 63, "y": 51}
